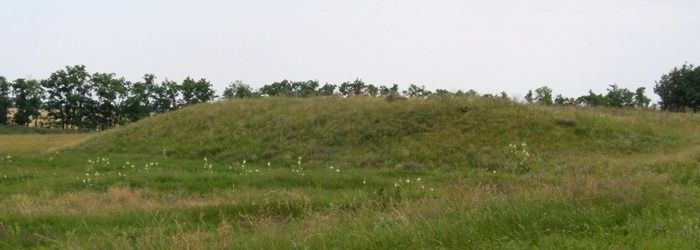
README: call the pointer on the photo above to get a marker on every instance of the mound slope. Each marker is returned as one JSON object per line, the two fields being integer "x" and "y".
{"x": 371, "y": 132}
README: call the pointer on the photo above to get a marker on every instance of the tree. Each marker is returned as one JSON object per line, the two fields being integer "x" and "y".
{"x": 680, "y": 89}
{"x": 543, "y": 95}
{"x": 138, "y": 103}
{"x": 470, "y": 92}
{"x": 327, "y": 90}
{"x": 5, "y": 100}
{"x": 68, "y": 96}
{"x": 528, "y": 97}
{"x": 357, "y": 87}
{"x": 372, "y": 90}
{"x": 564, "y": 101}
{"x": 283, "y": 88}
{"x": 166, "y": 96}
{"x": 28, "y": 95}
{"x": 443, "y": 92}
{"x": 194, "y": 92}
{"x": 238, "y": 89}
{"x": 619, "y": 97}
{"x": 592, "y": 99}
{"x": 389, "y": 91}
{"x": 640, "y": 99}
{"x": 416, "y": 91}
{"x": 111, "y": 93}
{"x": 304, "y": 89}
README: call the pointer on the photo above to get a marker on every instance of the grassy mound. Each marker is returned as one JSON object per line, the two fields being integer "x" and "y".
{"x": 371, "y": 132}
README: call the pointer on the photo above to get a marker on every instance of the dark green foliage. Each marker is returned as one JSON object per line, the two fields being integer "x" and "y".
{"x": 357, "y": 87}
{"x": 138, "y": 104}
{"x": 305, "y": 89}
{"x": 443, "y": 92}
{"x": 283, "y": 88}
{"x": 389, "y": 91}
{"x": 619, "y": 97}
{"x": 297, "y": 89}
{"x": 194, "y": 92}
{"x": 372, "y": 90}
{"x": 5, "y": 100}
{"x": 529, "y": 97}
{"x": 640, "y": 99}
{"x": 680, "y": 89}
{"x": 238, "y": 89}
{"x": 470, "y": 92}
{"x": 592, "y": 99}
{"x": 564, "y": 101}
{"x": 166, "y": 96}
{"x": 417, "y": 91}
{"x": 111, "y": 93}
{"x": 68, "y": 96}
{"x": 543, "y": 95}
{"x": 28, "y": 95}
{"x": 327, "y": 90}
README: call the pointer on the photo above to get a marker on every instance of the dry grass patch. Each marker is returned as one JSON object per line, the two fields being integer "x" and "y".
{"x": 38, "y": 143}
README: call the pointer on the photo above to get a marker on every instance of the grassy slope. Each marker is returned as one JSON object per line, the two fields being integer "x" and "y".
{"x": 615, "y": 179}
{"x": 370, "y": 132}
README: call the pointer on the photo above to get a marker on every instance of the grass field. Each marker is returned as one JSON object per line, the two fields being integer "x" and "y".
{"x": 359, "y": 173}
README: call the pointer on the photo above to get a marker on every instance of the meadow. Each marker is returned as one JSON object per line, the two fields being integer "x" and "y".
{"x": 359, "y": 173}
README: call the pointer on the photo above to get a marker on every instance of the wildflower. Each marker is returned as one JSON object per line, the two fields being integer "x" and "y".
{"x": 408, "y": 181}
{"x": 268, "y": 164}
{"x": 396, "y": 184}
{"x": 364, "y": 182}
{"x": 418, "y": 179}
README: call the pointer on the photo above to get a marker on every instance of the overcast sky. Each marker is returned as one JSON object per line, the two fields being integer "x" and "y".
{"x": 487, "y": 45}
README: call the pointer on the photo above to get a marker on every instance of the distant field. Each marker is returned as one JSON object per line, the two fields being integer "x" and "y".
{"x": 359, "y": 174}
{"x": 18, "y": 143}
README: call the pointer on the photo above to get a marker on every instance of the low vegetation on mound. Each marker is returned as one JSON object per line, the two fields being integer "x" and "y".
{"x": 372, "y": 132}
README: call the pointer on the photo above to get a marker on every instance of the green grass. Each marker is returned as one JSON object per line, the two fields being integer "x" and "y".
{"x": 370, "y": 132}
{"x": 595, "y": 178}
{"x": 21, "y": 130}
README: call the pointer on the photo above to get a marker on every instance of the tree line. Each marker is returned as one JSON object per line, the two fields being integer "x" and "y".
{"x": 73, "y": 98}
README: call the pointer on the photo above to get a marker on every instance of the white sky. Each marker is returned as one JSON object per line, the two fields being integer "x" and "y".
{"x": 487, "y": 45}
